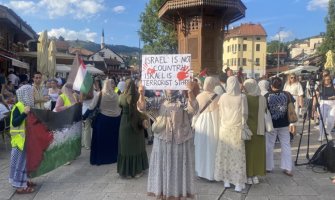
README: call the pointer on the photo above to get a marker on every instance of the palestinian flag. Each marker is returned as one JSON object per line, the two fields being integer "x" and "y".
{"x": 83, "y": 81}
{"x": 52, "y": 139}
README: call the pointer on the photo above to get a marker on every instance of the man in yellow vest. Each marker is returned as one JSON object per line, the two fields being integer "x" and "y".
{"x": 18, "y": 172}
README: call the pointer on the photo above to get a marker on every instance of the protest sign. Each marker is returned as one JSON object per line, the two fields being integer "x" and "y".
{"x": 166, "y": 71}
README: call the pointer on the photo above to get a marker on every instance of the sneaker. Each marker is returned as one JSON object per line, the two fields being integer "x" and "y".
{"x": 227, "y": 185}
{"x": 238, "y": 188}
{"x": 255, "y": 180}
{"x": 249, "y": 181}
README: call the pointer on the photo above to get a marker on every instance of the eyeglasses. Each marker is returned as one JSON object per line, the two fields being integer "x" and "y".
{"x": 327, "y": 79}
{"x": 293, "y": 77}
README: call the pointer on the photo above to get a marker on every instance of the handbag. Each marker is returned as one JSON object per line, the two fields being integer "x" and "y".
{"x": 268, "y": 121}
{"x": 159, "y": 123}
{"x": 195, "y": 117}
{"x": 93, "y": 115}
{"x": 291, "y": 114}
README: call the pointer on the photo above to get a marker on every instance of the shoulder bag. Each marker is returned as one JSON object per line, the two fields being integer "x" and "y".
{"x": 292, "y": 116}
{"x": 93, "y": 115}
{"x": 195, "y": 118}
{"x": 159, "y": 123}
{"x": 268, "y": 121}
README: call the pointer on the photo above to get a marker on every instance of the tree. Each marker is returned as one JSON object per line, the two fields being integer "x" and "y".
{"x": 158, "y": 37}
{"x": 61, "y": 38}
{"x": 329, "y": 41}
{"x": 272, "y": 47}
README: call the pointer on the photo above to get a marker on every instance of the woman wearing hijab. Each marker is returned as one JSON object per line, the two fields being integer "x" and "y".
{"x": 264, "y": 87}
{"x": 171, "y": 171}
{"x": 255, "y": 148}
{"x": 66, "y": 99}
{"x": 18, "y": 172}
{"x": 230, "y": 160}
{"x": 207, "y": 130}
{"x": 105, "y": 137}
{"x": 132, "y": 157}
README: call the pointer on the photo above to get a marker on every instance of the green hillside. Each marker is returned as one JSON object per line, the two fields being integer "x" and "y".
{"x": 120, "y": 49}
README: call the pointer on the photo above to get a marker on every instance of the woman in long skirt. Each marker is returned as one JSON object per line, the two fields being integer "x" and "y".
{"x": 132, "y": 158}
{"x": 171, "y": 171}
{"x": 255, "y": 148}
{"x": 230, "y": 160}
{"x": 104, "y": 145}
{"x": 207, "y": 130}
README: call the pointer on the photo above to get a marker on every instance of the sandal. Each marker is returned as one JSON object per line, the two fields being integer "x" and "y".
{"x": 26, "y": 190}
{"x": 31, "y": 184}
{"x": 288, "y": 173}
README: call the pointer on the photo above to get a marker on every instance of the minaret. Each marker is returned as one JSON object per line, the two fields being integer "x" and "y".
{"x": 102, "y": 39}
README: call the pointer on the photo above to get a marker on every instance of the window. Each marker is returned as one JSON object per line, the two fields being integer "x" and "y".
{"x": 228, "y": 62}
{"x": 239, "y": 47}
{"x": 232, "y": 48}
{"x": 244, "y": 60}
{"x": 245, "y": 38}
{"x": 235, "y": 47}
{"x": 234, "y": 61}
{"x": 258, "y": 47}
{"x": 257, "y": 62}
{"x": 239, "y": 62}
{"x": 244, "y": 47}
{"x": 258, "y": 38}
{"x": 228, "y": 49}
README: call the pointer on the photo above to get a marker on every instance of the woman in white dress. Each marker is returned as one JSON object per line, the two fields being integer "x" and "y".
{"x": 207, "y": 130}
{"x": 230, "y": 162}
{"x": 294, "y": 87}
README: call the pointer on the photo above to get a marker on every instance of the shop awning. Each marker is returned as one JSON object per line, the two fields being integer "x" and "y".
{"x": 16, "y": 62}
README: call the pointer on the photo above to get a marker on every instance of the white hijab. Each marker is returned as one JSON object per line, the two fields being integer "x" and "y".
{"x": 264, "y": 86}
{"x": 233, "y": 86}
{"x": 251, "y": 87}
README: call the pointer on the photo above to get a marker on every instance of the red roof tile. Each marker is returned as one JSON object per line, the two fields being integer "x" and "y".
{"x": 246, "y": 30}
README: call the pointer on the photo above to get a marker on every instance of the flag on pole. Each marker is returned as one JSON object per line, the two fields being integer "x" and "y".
{"x": 83, "y": 81}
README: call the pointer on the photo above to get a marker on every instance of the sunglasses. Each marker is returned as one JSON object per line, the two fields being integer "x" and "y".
{"x": 293, "y": 77}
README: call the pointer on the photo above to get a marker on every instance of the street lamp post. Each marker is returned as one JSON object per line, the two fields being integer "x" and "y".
{"x": 278, "y": 61}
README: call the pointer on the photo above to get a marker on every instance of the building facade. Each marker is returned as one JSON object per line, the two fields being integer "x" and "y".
{"x": 307, "y": 46}
{"x": 245, "y": 47}
{"x": 15, "y": 35}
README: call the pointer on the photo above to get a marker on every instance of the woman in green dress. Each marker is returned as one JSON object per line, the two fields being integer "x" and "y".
{"x": 255, "y": 148}
{"x": 132, "y": 156}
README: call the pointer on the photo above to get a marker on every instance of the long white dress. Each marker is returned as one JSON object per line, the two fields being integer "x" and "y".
{"x": 206, "y": 140}
{"x": 230, "y": 163}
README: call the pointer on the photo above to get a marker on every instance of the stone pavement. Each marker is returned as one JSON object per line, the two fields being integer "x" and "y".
{"x": 80, "y": 181}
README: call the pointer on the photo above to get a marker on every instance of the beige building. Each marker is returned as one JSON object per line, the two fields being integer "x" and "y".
{"x": 308, "y": 46}
{"x": 245, "y": 46}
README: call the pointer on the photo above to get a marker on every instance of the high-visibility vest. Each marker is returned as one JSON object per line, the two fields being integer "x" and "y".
{"x": 66, "y": 100}
{"x": 116, "y": 90}
{"x": 18, "y": 133}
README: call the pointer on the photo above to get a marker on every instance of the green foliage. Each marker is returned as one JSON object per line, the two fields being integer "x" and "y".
{"x": 274, "y": 45}
{"x": 158, "y": 37}
{"x": 329, "y": 41}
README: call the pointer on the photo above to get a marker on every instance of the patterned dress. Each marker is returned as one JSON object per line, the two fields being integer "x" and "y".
{"x": 230, "y": 162}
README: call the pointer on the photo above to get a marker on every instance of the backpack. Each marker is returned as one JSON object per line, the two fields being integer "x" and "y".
{"x": 325, "y": 156}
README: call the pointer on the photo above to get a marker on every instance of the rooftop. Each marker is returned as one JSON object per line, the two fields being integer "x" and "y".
{"x": 248, "y": 29}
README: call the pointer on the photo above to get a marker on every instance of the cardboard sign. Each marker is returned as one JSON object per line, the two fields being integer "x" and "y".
{"x": 167, "y": 71}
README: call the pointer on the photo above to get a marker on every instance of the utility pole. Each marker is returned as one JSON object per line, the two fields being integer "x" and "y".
{"x": 278, "y": 61}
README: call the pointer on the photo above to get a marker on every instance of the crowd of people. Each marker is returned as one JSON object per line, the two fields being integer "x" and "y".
{"x": 198, "y": 132}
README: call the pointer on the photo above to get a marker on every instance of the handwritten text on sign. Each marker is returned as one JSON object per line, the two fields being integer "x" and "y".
{"x": 170, "y": 71}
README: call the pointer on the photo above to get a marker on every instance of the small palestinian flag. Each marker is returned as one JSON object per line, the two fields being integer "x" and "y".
{"x": 83, "y": 81}
{"x": 52, "y": 139}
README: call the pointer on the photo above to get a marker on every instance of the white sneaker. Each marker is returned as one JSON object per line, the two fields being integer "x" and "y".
{"x": 227, "y": 185}
{"x": 249, "y": 181}
{"x": 238, "y": 188}
{"x": 255, "y": 180}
